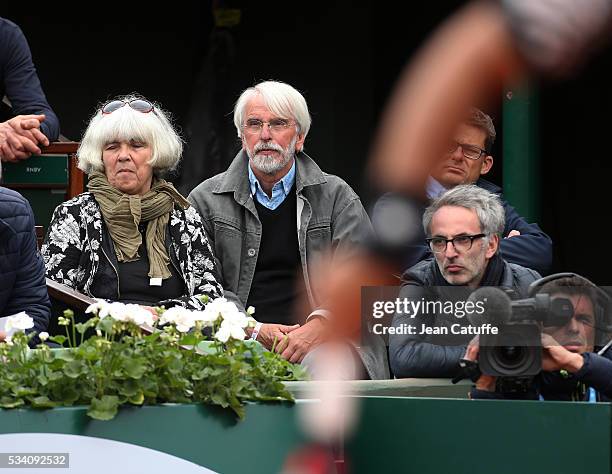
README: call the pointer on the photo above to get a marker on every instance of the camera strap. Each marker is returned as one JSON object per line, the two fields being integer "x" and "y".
{"x": 468, "y": 369}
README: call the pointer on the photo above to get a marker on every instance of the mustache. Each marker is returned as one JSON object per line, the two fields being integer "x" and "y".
{"x": 260, "y": 146}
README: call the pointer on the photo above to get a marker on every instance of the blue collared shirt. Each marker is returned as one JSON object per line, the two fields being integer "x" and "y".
{"x": 434, "y": 189}
{"x": 280, "y": 190}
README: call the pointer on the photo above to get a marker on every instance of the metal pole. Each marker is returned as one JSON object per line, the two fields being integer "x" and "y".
{"x": 521, "y": 161}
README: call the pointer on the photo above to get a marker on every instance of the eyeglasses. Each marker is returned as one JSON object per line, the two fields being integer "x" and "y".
{"x": 139, "y": 105}
{"x": 471, "y": 152}
{"x": 461, "y": 243}
{"x": 255, "y": 126}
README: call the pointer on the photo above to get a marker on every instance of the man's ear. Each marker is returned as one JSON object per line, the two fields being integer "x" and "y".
{"x": 487, "y": 164}
{"x": 492, "y": 246}
{"x": 299, "y": 144}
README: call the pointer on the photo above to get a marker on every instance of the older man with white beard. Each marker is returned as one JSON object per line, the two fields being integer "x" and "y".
{"x": 274, "y": 216}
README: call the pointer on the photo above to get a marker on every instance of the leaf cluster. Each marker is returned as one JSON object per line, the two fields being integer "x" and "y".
{"x": 122, "y": 365}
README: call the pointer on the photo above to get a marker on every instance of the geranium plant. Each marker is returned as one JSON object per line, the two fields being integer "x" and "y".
{"x": 139, "y": 358}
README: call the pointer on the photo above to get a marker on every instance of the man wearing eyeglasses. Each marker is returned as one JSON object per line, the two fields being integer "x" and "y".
{"x": 576, "y": 357}
{"x": 274, "y": 217}
{"x": 468, "y": 158}
{"x": 463, "y": 227}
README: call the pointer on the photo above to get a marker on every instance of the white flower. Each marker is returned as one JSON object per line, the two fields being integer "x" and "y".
{"x": 97, "y": 306}
{"x": 19, "y": 322}
{"x": 137, "y": 314}
{"x": 208, "y": 318}
{"x": 122, "y": 312}
{"x": 227, "y": 311}
{"x": 227, "y": 330}
{"x": 43, "y": 336}
{"x": 181, "y": 317}
{"x": 250, "y": 310}
{"x": 115, "y": 310}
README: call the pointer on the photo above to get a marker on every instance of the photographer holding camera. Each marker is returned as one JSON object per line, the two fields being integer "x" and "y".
{"x": 570, "y": 369}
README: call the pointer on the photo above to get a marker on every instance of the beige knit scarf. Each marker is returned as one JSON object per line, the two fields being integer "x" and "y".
{"x": 123, "y": 213}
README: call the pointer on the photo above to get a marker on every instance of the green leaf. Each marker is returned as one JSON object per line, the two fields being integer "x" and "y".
{"x": 188, "y": 340}
{"x": 23, "y": 391}
{"x": 43, "y": 402}
{"x": 106, "y": 325}
{"x": 137, "y": 399}
{"x": 82, "y": 327}
{"x": 7, "y": 402}
{"x": 75, "y": 368}
{"x": 128, "y": 387}
{"x": 134, "y": 368}
{"x": 58, "y": 339}
{"x": 67, "y": 394}
{"x": 63, "y": 354}
{"x": 103, "y": 409}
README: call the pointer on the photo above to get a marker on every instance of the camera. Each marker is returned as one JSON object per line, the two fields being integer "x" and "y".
{"x": 515, "y": 350}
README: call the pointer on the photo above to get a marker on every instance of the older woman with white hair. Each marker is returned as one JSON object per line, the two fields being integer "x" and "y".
{"x": 132, "y": 237}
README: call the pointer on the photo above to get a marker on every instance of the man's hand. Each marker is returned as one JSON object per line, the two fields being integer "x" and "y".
{"x": 485, "y": 382}
{"x": 512, "y": 233}
{"x": 274, "y": 333}
{"x": 556, "y": 357}
{"x": 295, "y": 345}
{"x": 20, "y": 137}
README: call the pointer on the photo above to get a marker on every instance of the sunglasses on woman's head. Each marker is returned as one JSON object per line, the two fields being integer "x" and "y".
{"x": 139, "y": 105}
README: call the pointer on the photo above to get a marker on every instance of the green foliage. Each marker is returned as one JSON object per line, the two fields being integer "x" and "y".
{"x": 121, "y": 365}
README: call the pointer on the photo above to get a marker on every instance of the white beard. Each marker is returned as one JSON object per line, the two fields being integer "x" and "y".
{"x": 267, "y": 164}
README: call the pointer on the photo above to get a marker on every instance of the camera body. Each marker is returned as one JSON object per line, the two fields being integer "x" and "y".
{"x": 516, "y": 349}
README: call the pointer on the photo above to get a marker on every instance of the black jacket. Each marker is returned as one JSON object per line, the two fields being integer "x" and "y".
{"x": 596, "y": 373}
{"x": 78, "y": 252}
{"x": 19, "y": 81}
{"x": 22, "y": 271}
{"x": 423, "y": 355}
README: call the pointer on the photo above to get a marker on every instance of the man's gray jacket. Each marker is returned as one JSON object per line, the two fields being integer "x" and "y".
{"x": 330, "y": 217}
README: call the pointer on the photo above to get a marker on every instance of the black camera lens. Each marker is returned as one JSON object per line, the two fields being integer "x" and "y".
{"x": 511, "y": 357}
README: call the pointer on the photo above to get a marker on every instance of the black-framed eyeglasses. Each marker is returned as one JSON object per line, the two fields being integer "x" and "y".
{"x": 472, "y": 152}
{"x": 277, "y": 125}
{"x": 140, "y": 105}
{"x": 461, "y": 243}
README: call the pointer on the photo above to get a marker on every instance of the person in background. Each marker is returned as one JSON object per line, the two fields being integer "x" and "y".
{"x": 465, "y": 161}
{"x": 132, "y": 237}
{"x": 572, "y": 370}
{"x": 22, "y": 271}
{"x": 30, "y": 122}
{"x": 463, "y": 226}
{"x": 274, "y": 217}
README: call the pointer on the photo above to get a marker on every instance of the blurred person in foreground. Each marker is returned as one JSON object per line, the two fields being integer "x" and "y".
{"x": 132, "y": 237}
{"x": 571, "y": 369}
{"x": 465, "y": 62}
{"x": 30, "y": 122}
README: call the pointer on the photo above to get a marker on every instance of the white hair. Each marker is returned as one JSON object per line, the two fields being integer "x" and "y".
{"x": 124, "y": 124}
{"x": 282, "y": 99}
